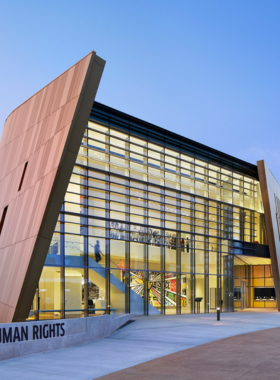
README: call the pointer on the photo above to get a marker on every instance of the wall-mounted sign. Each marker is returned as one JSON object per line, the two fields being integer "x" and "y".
{"x": 32, "y": 332}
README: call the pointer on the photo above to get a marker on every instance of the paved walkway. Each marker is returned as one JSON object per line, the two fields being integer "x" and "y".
{"x": 146, "y": 339}
{"x": 252, "y": 356}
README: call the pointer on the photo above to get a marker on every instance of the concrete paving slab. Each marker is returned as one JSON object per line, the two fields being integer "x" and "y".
{"x": 146, "y": 339}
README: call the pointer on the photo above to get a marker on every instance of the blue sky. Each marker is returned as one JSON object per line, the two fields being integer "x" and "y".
{"x": 208, "y": 70}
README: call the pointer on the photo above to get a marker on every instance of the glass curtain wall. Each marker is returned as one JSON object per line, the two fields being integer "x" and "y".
{"x": 145, "y": 229}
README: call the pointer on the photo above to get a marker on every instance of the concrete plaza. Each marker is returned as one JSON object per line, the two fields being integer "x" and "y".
{"x": 145, "y": 339}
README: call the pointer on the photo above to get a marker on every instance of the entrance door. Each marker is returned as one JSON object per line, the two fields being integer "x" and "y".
{"x": 243, "y": 294}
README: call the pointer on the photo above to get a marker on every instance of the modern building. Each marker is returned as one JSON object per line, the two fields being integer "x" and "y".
{"x": 104, "y": 213}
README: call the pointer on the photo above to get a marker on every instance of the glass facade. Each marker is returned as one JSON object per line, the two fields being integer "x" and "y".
{"x": 146, "y": 228}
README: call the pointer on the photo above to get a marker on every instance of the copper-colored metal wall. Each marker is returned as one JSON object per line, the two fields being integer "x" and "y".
{"x": 270, "y": 192}
{"x": 45, "y": 131}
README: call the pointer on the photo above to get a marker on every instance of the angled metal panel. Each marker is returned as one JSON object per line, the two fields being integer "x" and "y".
{"x": 45, "y": 132}
{"x": 271, "y": 204}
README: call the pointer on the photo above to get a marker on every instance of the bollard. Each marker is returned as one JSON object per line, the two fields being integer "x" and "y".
{"x": 218, "y": 313}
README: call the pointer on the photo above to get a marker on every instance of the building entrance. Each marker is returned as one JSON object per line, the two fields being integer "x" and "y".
{"x": 253, "y": 283}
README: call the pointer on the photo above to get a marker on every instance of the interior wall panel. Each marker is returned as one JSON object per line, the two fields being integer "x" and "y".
{"x": 46, "y": 131}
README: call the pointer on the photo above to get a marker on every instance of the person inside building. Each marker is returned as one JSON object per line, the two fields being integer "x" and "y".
{"x": 97, "y": 251}
{"x": 188, "y": 245}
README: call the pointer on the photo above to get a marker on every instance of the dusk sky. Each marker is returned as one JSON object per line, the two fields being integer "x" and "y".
{"x": 206, "y": 69}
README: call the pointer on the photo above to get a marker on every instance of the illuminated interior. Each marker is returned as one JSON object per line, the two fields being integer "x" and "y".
{"x": 253, "y": 283}
{"x": 149, "y": 229}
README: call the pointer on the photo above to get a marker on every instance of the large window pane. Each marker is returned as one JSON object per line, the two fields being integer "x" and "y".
{"x": 170, "y": 293}
{"x": 117, "y": 289}
{"x": 186, "y": 293}
{"x": 117, "y": 253}
{"x": 54, "y": 252}
{"x": 170, "y": 259}
{"x": 74, "y": 250}
{"x": 51, "y": 293}
{"x": 155, "y": 292}
{"x": 96, "y": 252}
{"x": 138, "y": 283}
{"x": 155, "y": 257}
{"x": 74, "y": 292}
{"x": 137, "y": 255}
{"x": 96, "y": 291}
{"x": 199, "y": 293}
